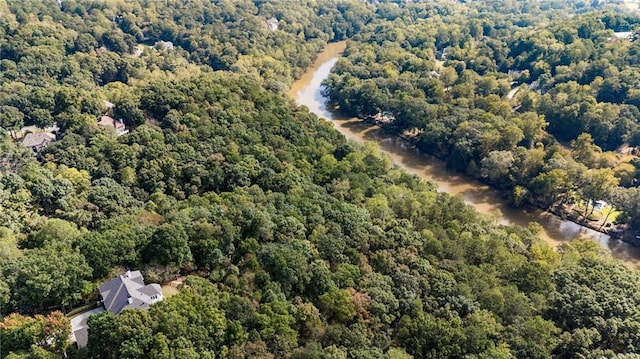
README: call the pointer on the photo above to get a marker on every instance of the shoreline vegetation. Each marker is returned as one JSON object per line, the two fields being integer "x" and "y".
{"x": 483, "y": 105}
{"x": 616, "y": 231}
{"x": 603, "y": 224}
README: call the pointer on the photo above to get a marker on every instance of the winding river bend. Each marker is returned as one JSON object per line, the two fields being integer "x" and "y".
{"x": 308, "y": 91}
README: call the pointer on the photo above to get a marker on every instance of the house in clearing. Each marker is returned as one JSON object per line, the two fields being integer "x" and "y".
{"x": 128, "y": 291}
{"x": 117, "y": 125}
{"x": 272, "y": 24}
{"x": 38, "y": 141}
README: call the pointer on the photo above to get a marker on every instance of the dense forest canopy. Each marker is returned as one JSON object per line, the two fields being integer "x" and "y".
{"x": 534, "y": 108}
{"x": 298, "y": 243}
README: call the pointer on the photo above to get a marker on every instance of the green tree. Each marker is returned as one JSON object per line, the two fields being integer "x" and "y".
{"x": 41, "y": 117}
{"x": 532, "y": 337}
{"x": 497, "y": 167}
{"x": 169, "y": 246}
{"x": 533, "y": 126}
{"x": 275, "y": 323}
{"x": 598, "y": 185}
{"x": 584, "y": 150}
{"x": 130, "y": 334}
{"x": 337, "y": 305}
{"x": 49, "y": 333}
{"x": 53, "y": 232}
{"x": 54, "y": 275}
{"x": 553, "y": 186}
{"x": 127, "y": 110}
{"x": 627, "y": 200}
{"x": 597, "y": 294}
{"x": 11, "y": 118}
{"x": 429, "y": 337}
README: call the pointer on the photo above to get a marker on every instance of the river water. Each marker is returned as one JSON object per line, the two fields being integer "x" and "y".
{"x": 308, "y": 91}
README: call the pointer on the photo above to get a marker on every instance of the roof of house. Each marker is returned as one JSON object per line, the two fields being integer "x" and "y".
{"x": 272, "y": 24}
{"x": 108, "y": 104}
{"x": 165, "y": 45}
{"x": 79, "y": 326}
{"x": 81, "y": 337}
{"x": 128, "y": 291}
{"x": 623, "y": 34}
{"x": 110, "y": 122}
{"x": 37, "y": 139}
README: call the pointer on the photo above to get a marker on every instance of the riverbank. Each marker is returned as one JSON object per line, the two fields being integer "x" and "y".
{"x": 565, "y": 212}
{"x": 307, "y": 91}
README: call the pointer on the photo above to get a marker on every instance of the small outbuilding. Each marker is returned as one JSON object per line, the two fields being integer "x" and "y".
{"x": 80, "y": 328}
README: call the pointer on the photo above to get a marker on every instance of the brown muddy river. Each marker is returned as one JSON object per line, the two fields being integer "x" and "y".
{"x": 308, "y": 91}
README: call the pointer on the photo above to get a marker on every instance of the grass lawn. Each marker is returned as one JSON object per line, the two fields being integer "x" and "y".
{"x": 613, "y": 215}
{"x": 169, "y": 291}
{"x": 600, "y": 214}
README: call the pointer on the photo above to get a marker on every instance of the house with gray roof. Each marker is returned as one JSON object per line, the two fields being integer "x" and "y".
{"x": 80, "y": 327}
{"x": 128, "y": 291}
{"x": 38, "y": 141}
